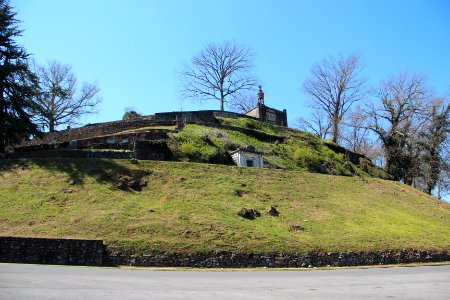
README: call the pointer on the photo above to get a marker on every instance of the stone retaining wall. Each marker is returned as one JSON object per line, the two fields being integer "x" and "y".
{"x": 109, "y": 154}
{"x": 94, "y": 253}
{"x": 276, "y": 260}
{"x": 152, "y": 150}
{"x": 95, "y": 130}
{"x": 51, "y": 251}
{"x": 205, "y": 116}
{"x": 121, "y": 141}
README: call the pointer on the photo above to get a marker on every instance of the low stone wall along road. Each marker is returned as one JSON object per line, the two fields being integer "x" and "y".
{"x": 19, "y": 281}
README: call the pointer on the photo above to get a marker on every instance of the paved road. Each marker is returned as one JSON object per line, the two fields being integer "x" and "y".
{"x": 60, "y": 282}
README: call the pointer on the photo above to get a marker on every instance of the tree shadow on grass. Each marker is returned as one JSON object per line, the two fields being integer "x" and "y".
{"x": 78, "y": 169}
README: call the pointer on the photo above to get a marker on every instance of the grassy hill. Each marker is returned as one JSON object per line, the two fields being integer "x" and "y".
{"x": 192, "y": 207}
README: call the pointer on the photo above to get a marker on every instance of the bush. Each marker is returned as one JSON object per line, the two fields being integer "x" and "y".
{"x": 228, "y": 145}
{"x": 250, "y": 124}
{"x": 189, "y": 150}
{"x": 131, "y": 115}
{"x": 334, "y": 163}
{"x": 308, "y": 158}
{"x": 367, "y": 166}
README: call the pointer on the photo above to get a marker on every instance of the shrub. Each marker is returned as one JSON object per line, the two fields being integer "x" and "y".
{"x": 308, "y": 158}
{"x": 367, "y": 166}
{"x": 189, "y": 150}
{"x": 228, "y": 145}
{"x": 249, "y": 124}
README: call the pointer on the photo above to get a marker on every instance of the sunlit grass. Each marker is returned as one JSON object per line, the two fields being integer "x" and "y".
{"x": 192, "y": 207}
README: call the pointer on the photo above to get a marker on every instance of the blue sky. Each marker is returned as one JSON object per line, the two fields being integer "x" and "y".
{"x": 134, "y": 48}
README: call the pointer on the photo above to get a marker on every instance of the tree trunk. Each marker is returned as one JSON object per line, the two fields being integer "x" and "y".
{"x": 51, "y": 125}
{"x": 222, "y": 101}
{"x": 335, "y": 130}
{"x": 388, "y": 165}
{"x": 2, "y": 142}
{"x": 2, "y": 119}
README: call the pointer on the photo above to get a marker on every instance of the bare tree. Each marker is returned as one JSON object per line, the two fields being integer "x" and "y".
{"x": 61, "y": 101}
{"x": 443, "y": 182}
{"x": 218, "y": 72}
{"x": 318, "y": 124}
{"x": 334, "y": 85}
{"x": 432, "y": 144}
{"x": 243, "y": 102}
{"x": 396, "y": 118}
{"x": 356, "y": 134}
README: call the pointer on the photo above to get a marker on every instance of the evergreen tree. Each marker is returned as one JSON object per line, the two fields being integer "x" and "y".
{"x": 18, "y": 85}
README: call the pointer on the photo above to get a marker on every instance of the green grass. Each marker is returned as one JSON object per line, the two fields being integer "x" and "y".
{"x": 146, "y": 128}
{"x": 192, "y": 207}
{"x": 296, "y": 150}
{"x": 260, "y": 126}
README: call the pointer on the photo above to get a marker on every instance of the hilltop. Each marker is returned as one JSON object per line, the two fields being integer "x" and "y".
{"x": 203, "y": 136}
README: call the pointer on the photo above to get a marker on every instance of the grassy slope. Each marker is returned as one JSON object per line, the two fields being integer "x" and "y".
{"x": 300, "y": 150}
{"x": 192, "y": 207}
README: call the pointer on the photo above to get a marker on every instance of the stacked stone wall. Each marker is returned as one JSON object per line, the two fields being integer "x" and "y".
{"x": 61, "y": 153}
{"x": 123, "y": 141}
{"x": 94, "y": 130}
{"x": 204, "y": 116}
{"x": 94, "y": 253}
{"x": 51, "y": 251}
{"x": 276, "y": 260}
{"x": 152, "y": 150}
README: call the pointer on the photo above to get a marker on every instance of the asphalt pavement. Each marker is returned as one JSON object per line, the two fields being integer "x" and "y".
{"x": 20, "y": 281}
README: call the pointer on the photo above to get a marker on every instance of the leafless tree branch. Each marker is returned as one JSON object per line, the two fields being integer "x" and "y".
{"x": 334, "y": 85}
{"x": 61, "y": 101}
{"x": 318, "y": 124}
{"x": 397, "y": 117}
{"x": 218, "y": 72}
{"x": 243, "y": 102}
